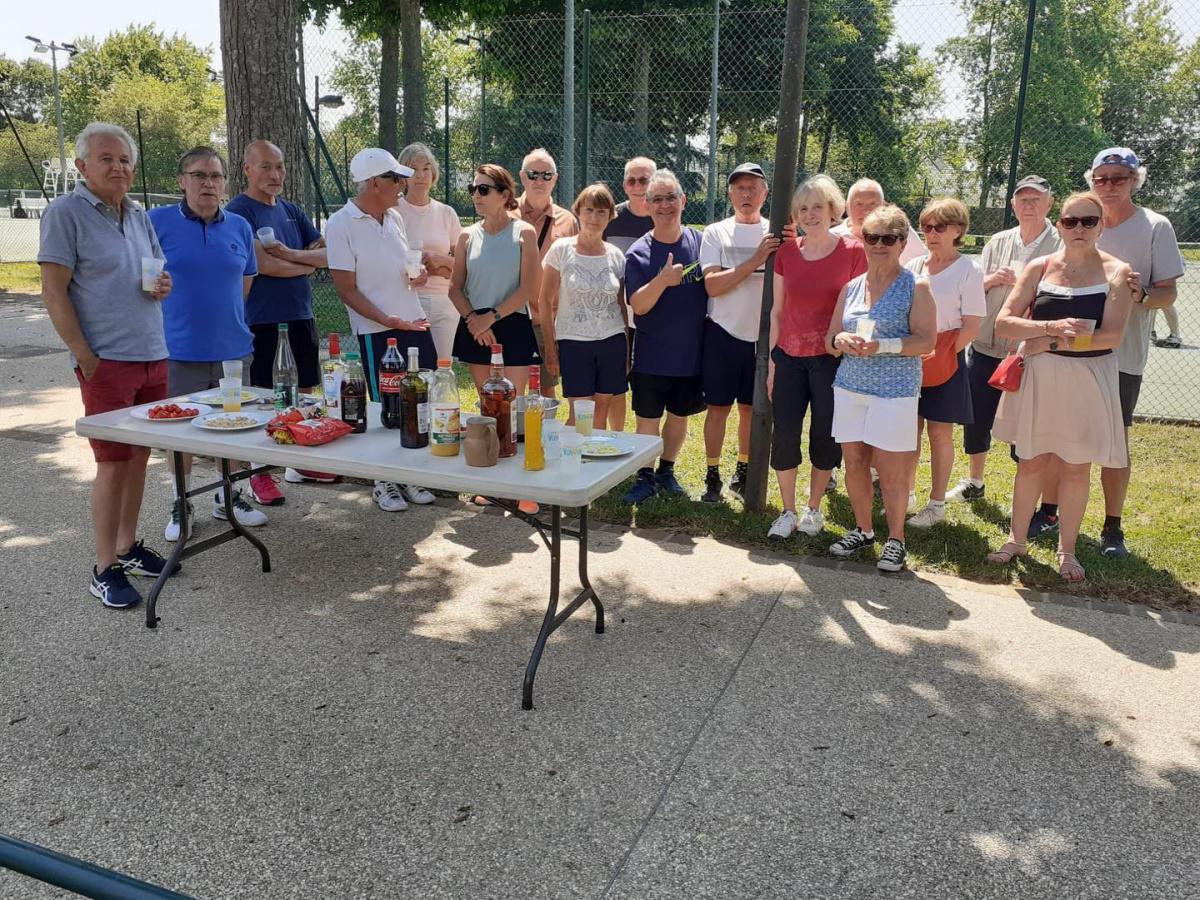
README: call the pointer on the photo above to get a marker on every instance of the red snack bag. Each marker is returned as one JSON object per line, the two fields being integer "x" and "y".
{"x": 314, "y": 432}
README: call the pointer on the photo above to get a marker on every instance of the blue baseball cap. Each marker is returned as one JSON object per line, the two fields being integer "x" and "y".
{"x": 1117, "y": 156}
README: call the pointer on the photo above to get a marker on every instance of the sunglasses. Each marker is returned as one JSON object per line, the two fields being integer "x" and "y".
{"x": 534, "y": 176}
{"x": 1072, "y": 222}
{"x": 481, "y": 189}
{"x": 888, "y": 240}
{"x": 1114, "y": 180}
{"x": 930, "y": 227}
{"x": 391, "y": 176}
{"x": 637, "y": 179}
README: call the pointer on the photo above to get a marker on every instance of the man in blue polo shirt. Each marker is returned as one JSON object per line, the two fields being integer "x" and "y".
{"x": 665, "y": 287}
{"x": 210, "y": 255}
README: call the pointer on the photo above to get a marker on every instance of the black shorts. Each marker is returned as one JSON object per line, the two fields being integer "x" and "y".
{"x": 514, "y": 333}
{"x": 680, "y": 395}
{"x": 985, "y": 400}
{"x": 1129, "y": 387}
{"x": 302, "y": 336}
{"x": 803, "y": 383}
{"x": 374, "y": 345}
{"x": 951, "y": 401}
{"x": 726, "y": 367}
{"x": 594, "y": 367}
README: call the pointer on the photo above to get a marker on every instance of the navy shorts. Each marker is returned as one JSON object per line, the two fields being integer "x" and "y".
{"x": 1130, "y": 388}
{"x": 514, "y": 333}
{"x": 985, "y": 400}
{"x": 594, "y": 367}
{"x": 374, "y": 345}
{"x": 726, "y": 367}
{"x": 679, "y": 395}
{"x": 949, "y": 402}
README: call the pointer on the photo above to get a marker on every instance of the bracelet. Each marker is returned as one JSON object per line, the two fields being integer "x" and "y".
{"x": 892, "y": 346}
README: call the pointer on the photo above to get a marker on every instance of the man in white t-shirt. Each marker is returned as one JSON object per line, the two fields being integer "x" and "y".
{"x": 861, "y": 200}
{"x": 732, "y": 254}
{"x": 367, "y": 247}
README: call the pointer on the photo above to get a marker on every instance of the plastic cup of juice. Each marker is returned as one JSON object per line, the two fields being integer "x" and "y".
{"x": 585, "y": 416}
{"x": 232, "y": 368}
{"x": 231, "y": 394}
{"x": 1084, "y": 333}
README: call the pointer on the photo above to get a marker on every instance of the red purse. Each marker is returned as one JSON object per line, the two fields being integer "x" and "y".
{"x": 1007, "y": 376}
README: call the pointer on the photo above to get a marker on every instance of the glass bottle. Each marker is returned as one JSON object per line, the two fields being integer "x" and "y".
{"x": 414, "y": 405}
{"x": 496, "y": 400}
{"x": 535, "y": 454}
{"x": 285, "y": 376}
{"x": 354, "y": 394}
{"x": 331, "y": 376}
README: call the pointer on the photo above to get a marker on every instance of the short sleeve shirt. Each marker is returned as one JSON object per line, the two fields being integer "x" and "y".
{"x": 273, "y": 300}
{"x": 810, "y": 292}
{"x": 589, "y": 292}
{"x": 726, "y": 245}
{"x": 432, "y": 228}
{"x": 957, "y": 290}
{"x": 627, "y": 227}
{"x": 670, "y": 335}
{"x": 562, "y": 224}
{"x": 103, "y": 248}
{"x": 1007, "y": 249}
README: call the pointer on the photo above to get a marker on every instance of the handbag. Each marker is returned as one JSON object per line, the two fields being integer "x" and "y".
{"x": 939, "y": 366}
{"x": 1007, "y": 376}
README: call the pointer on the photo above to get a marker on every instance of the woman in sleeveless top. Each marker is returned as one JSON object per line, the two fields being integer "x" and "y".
{"x": 1067, "y": 412}
{"x": 879, "y": 379}
{"x": 496, "y": 275}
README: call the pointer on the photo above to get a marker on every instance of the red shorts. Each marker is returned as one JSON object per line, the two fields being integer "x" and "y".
{"x": 117, "y": 385}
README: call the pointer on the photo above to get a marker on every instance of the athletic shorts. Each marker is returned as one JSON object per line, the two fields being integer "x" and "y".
{"x": 514, "y": 333}
{"x": 372, "y": 347}
{"x": 116, "y": 385}
{"x": 680, "y": 395}
{"x": 594, "y": 367}
{"x": 726, "y": 367}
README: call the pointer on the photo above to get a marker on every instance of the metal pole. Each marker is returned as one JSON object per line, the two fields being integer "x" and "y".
{"x": 346, "y": 157}
{"x": 482, "y": 96}
{"x": 62, "y": 152}
{"x": 711, "y": 205}
{"x": 141, "y": 159}
{"x": 586, "y": 150}
{"x": 791, "y": 98}
{"x": 568, "y": 113}
{"x": 1030, "y": 15}
{"x": 316, "y": 158}
{"x": 446, "y": 177}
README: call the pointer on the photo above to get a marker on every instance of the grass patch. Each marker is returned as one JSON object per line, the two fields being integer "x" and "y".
{"x": 20, "y": 278}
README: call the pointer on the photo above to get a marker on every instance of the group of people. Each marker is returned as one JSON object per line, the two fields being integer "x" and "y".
{"x": 875, "y": 335}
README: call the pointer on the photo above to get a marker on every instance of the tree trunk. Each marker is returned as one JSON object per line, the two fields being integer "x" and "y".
{"x": 262, "y": 93}
{"x": 414, "y": 75}
{"x": 389, "y": 84}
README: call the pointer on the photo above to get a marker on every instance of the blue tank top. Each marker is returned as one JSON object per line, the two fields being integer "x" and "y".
{"x": 493, "y": 266}
{"x": 880, "y": 376}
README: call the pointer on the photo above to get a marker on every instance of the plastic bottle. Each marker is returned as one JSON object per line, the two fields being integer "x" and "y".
{"x": 445, "y": 435}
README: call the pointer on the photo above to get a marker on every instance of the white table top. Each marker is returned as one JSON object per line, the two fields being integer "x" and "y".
{"x": 377, "y": 454}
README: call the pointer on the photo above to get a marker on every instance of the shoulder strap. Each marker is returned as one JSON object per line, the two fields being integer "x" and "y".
{"x": 546, "y": 228}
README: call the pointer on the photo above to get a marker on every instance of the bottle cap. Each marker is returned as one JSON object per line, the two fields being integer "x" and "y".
{"x": 335, "y": 343}
{"x": 497, "y": 348}
{"x": 283, "y": 326}
{"x": 391, "y": 342}
{"x": 443, "y": 363}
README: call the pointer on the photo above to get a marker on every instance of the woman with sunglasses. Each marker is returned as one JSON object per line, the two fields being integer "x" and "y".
{"x": 884, "y": 321}
{"x": 495, "y": 278}
{"x": 1069, "y": 310}
{"x": 957, "y": 286}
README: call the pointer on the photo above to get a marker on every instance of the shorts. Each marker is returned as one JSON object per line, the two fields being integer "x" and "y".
{"x": 594, "y": 367}
{"x": 977, "y": 437}
{"x": 680, "y": 395}
{"x": 514, "y": 333}
{"x": 726, "y": 367}
{"x": 803, "y": 383}
{"x": 372, "y": 347}
{"x": 886, "y": 423}
{"x": 116, "y": 385}
{"x": 1129, "y": 388}
{"x": 950, "y": 401}
{"x": 302, "y": 336}
{"x": 548, "y": 380}
{"x": 192, "y": 377}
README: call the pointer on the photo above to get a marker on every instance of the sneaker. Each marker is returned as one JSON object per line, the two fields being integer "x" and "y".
{"x": 737, "y": 486}
{"x": 141, "y": 560}
{"x": 892, "y": 557}
{"x": 245, "y": 514}
{"x": 264, "y": 489}
{"x": 668, "y": 483}
{"x": 964, "y": 492}
{"x": 832, "y": 487}
{"x": 712, "y": 489}
{"x": 1112, "y": 543}
{"x": 643, "y": 489}
{"x": 300, "y": 476}
{"x": 1171, "y": 342}
{"x": 1153, "y": 336}
{"x": 171, "y": 532}
{"x": 417, "y": 494}
{"x": 1042, "y": 525}
{"x": 811, "y": 522}
{"x": 851, "y": 542}
{"x": 784, "y": 526}
{"x": 112, "y": 588}
{"x": 912, "y": 503}
{"x": 929, "y": 516}
{"x": 389, "y": 496}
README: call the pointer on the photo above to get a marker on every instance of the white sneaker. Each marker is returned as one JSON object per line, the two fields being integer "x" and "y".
{"x": 912, "y": 503}
{"x": 171, "y": 532}
{"x": 965, "y": 491}
{"x": 811, "y": 522}
{"x": 784, "y": 526}
{"x": 245, "y": 514}
{"x": 389, "y": 497}
{"x": 417, "y": 494}
{"x": 929, "y": 516}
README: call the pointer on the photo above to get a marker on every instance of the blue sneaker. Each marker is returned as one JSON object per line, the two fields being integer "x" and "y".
{"x": 643, "y": 489}
{"x": 141, "y": 560}
{"x": 1042, "y": 526}
{"x": 667, "y": 483}
{"x": 112, "y": 588}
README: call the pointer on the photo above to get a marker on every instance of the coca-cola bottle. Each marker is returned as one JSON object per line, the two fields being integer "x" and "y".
{"x": 414, "y": 404}
{"x": 391, "y": 374}
{"x": 496, "y": 400}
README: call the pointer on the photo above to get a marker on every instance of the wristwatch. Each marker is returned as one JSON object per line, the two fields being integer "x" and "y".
{"x": 1054, "y": 345}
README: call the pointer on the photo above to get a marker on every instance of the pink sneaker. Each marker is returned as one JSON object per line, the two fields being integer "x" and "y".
{"x": 299, "y": 476}
{"x": 265, "y": 490}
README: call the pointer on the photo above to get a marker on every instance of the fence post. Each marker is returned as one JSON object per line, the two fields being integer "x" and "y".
{"x": 711, "y": 206}
{"x": 568, "y": 110}
{"x": 1030, "y": 13}
{"x": 586, "y": 151}
{"x": 446, "y": 150}
{"x": 141, "y": 158}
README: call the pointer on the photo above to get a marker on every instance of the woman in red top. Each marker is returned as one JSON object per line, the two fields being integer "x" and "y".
{"x": 810, "y": 272}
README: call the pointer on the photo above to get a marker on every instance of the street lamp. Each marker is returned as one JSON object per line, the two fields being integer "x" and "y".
{"x": 40, "y": 46}
{"x": 466, "y": 40}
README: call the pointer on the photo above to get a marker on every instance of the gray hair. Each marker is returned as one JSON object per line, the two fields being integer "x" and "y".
{"x": 663, "y": 176}
{"x": 1139, "y": 176}
{"x": 865, "y": 184}
{"x": 419, "y": 152}
{"x": 201, "y": 153}
{"x": 83, "y": 140}
{"x": 538, "y": 153}
{"x": 641, "y": 161}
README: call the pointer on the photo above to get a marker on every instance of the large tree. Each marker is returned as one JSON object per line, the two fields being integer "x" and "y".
{"x": 27, "y": 89}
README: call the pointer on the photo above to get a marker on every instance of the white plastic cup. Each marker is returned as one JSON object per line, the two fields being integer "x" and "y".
{"x": 572, "y": 453}
{"x": 1084, "y": 334}
{"x": 232, "y": 368}
{"x": 865, "y": 328}
{"x": 266, "y": 236}
{"x": 412, "y": 263}
{"x": 231, "y": 394}
{"x": 585, "y": 416}
{"x": 552, "y": 434}
{"x": 151, "y": 269}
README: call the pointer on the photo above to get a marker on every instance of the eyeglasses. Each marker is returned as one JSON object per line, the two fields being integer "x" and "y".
{"x": 1072, "y": 222}
{"x": 888, "y": 240}
{"x": 202, "y": 177}
{"x": 1114, "y": 180}
{"x": 481, "y": 189}
{"x": 665, "y": 198}
{"x": 939, "y": 227}
{"x": 637, "y": 179}
{"x": 534, "y": 176}
{"x": 391, "y": 176}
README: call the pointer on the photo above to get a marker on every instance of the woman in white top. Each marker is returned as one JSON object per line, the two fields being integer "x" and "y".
{"x": 957, "y": 286}
{"x": 582, "y": 307}
{"x": 433, "y": 228}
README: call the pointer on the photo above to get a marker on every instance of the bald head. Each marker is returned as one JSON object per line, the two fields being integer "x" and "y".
{"x": 263, "y": 165}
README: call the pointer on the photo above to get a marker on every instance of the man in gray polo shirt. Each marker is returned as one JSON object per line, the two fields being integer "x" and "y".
{"x": 92, "y": 244}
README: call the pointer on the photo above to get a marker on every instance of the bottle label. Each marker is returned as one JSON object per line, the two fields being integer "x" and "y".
{"x": 285, "y": 396}
{"x": 444, "y": 423}
{"x": 512, "y": 428}
{"x": 389, "y": 382}
{"x": 353, "y": 409}
{"x": 333, "y": 391}
{"x": 422, "y": 418}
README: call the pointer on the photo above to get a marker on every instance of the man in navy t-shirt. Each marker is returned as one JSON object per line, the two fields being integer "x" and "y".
{"x": 665, "y": 287}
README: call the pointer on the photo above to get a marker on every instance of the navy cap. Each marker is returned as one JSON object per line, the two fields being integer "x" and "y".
{"x": 747, "y": 169}
{"x": 1117, "y": 156}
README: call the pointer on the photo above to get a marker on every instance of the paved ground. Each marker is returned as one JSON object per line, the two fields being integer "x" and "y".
{"x": 349, "y": 725}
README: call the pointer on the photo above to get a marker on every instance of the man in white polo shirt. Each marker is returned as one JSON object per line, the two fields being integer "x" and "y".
{"x": 366, "y": 246}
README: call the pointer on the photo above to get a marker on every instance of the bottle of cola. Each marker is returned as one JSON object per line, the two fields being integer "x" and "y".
{"x": 391, "y": 376}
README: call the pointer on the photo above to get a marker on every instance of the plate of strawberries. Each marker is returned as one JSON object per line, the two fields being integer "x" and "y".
{"x": 169, "y": 412}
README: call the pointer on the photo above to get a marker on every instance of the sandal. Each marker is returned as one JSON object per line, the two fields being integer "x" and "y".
{"x": 1007, "y": 553}
{"x": 1069, "y": 568}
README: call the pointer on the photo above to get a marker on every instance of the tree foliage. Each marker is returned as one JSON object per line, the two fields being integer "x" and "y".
{"x": 27, "y": 89}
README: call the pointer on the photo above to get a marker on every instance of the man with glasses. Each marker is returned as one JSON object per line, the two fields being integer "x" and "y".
{"x": 630, "y": 223}
{"x": 281, "y": 292}
{"x": 665, "y": 287}
{"x": 1146, "y": 241}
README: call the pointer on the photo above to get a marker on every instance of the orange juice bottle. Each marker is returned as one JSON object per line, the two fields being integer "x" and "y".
{"x": 535, "y": 454}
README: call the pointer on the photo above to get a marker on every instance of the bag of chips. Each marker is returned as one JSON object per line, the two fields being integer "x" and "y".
{"x": 313, "y": 432}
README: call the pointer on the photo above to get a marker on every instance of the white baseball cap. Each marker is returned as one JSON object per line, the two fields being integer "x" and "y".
{"x": 375, "y": 161}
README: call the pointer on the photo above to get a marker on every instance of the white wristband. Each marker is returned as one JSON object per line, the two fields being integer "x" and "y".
{"x": 892, "y": 346}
